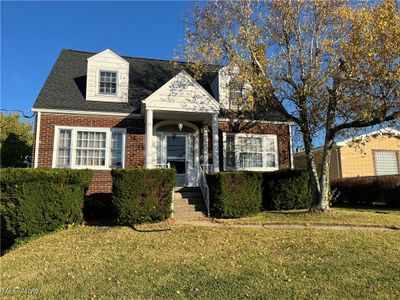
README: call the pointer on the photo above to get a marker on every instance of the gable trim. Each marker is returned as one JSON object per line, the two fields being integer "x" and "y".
{"x": 109, "y": 51}
{"x": 153, "y": 96}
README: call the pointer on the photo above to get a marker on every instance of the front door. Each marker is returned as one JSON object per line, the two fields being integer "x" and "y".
{"x": 177, "y": 151}
{"x": 176, "y": 156}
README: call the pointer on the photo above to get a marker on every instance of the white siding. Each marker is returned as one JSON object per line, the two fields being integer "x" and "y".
{"x": 107, "y": 61}
{"x": 182, "y": 93}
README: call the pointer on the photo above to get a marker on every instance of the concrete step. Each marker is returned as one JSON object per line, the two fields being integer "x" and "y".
{"x": 188, "y": 203}
{"x": 189, "y": 215}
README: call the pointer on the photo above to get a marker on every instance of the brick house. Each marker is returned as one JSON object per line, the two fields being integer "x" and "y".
{"x": 103, "y": 111}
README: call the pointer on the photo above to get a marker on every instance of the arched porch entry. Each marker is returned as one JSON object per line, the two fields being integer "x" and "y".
{"x": 177, "y": 146}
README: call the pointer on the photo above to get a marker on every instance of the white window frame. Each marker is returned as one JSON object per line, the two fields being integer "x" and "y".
{"x": 74, "y": 131}
{"x": 374, "y": 153}
{"x": 99, "y": 81}
{"x": 264, "y": 137}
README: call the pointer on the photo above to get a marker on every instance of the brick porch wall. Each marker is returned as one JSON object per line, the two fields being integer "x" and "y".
{"x": 102, "y": 182}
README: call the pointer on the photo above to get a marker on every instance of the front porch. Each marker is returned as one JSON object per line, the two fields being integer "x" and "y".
{"x": 178, "y": 119}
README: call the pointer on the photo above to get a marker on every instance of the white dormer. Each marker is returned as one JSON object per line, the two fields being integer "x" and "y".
{"x": 107, "y": 77}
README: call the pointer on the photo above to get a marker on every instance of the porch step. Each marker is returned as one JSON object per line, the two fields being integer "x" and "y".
{"x": 188, "y": 203}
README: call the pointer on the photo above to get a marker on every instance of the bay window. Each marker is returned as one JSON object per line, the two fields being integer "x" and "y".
{"x": 257, "y": 152}
{"x": 92, "y": 148}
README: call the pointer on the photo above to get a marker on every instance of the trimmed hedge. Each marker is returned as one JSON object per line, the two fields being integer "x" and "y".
{"x": 142, "y": 195}
{"x": 242, "y": 193}
{"x": 35, "y": 201}
{"x": 235, "y": 194}
{"x": 286, "y": 189}
{"x": 367, "y": 190}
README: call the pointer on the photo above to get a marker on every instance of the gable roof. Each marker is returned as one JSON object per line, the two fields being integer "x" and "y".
{"x": 65, "y": 87}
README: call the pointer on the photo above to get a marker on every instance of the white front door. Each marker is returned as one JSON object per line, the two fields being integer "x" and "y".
{"x": 177, "y": 151}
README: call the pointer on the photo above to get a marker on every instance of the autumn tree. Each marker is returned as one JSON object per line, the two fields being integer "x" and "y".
{"x": 15, "y": 141}
{"x": 328, "y": 66}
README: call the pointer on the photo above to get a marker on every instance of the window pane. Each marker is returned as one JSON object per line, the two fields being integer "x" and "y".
{"x": 108, "y": 83}
{"x": 386, "y": 163}
{"x": 250, "y": 160}
{"x": 90, "y": 151}
{"x": 116, "y": 149}
{"x": 64, "y": 148}
{"x": 271, "y": 160}
{"x": 270, "y": 144}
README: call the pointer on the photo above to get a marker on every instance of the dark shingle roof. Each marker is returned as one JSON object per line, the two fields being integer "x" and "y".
{"x": 65, "y": 88}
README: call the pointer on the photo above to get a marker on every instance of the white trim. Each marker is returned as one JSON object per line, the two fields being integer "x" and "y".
{"x": 148, "y": 140}
{"x": 387, "y": 130}
{"x": 74, "y": 130}
{"x": 37, "y": 140}
{"x": 82, "y": 112}
{"x": 291, "y": 147}
{"x": 257, "y": 121}
{"x": 215, "y": 142}
{"x": 173, "y": 122}
{"x": 109, "y": 51}
{"x": 264, "y": 138}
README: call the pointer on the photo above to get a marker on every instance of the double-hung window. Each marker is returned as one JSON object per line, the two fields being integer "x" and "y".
{"x": 386, "y": 163}
{"x": 108, "y": 83}
{"x": 258, "y": 152}
{"x": 92, "y": 148}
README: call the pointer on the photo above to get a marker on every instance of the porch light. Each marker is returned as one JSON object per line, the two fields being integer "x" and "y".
{"x": 180, "y": 126}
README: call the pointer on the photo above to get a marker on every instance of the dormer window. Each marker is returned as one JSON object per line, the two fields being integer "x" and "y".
{"x": 108, "y": 83}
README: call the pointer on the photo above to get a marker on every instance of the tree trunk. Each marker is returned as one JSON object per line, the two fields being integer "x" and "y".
{"x": 323, "y": 201}
{"x": 311, "y": 168}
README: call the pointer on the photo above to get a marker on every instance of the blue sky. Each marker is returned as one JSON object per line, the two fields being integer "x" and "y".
{"x": 33, "y": 34}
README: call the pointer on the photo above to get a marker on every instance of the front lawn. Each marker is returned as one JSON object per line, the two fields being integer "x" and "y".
{"x": 206, "y": 262}
{"x": 336, "y": 216}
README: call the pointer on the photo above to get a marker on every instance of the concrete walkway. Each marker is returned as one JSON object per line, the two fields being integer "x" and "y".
{"x": 212, "y": 223}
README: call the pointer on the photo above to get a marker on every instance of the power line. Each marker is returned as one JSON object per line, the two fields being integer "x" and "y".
{"x": 20, "y": 111}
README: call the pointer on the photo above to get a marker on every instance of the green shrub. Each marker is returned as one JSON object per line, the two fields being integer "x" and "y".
{"x": 35, "y": 201}
{"x": 286, "y": 189}
{"x": 142, "y": 195}
{"x": 235, "y": 194}
{"x": 367, "y": 190}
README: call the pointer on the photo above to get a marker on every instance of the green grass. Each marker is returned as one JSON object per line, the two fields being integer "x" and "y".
{"x": 207, "y": 263}
{"x": 336, "y": 216}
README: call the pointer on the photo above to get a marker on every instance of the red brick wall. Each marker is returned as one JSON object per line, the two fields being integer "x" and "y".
{"x": 134, "y": 153}
{"x": 281, "y": 130}
{"x": 134, "y": 148}
{"x": 101, "y": 183}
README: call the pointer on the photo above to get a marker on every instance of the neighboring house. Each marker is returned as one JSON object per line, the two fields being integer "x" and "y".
{"x": 103, "y": 111}
{"x": 373, "y": 154}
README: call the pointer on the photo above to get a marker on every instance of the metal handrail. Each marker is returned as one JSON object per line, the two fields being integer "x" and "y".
{"x": 204, "y": 188}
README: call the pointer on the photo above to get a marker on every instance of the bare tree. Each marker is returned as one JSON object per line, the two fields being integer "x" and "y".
{"x": 328, "y": 66}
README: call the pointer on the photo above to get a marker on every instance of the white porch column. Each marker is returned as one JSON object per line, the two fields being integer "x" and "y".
{"x": 205, "y": 147}
{"x": 215, "y": 142}
{"x": 148, "y": 164}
